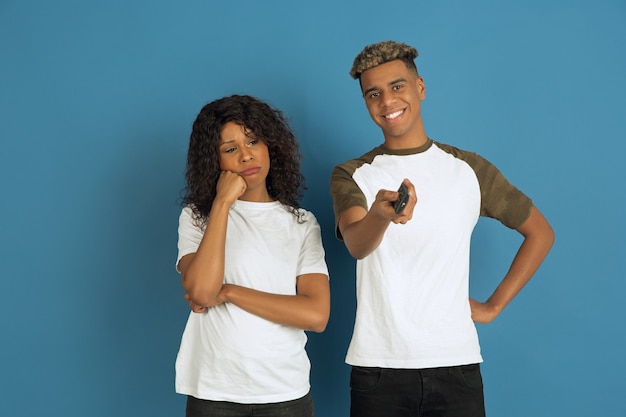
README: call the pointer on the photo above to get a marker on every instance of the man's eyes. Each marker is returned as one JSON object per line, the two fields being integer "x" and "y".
{"x": 395, "y": 87}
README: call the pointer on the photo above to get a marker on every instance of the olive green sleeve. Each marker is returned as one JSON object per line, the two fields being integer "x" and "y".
{"x": 345, "y": 192}
{"x": 500, "y": 199}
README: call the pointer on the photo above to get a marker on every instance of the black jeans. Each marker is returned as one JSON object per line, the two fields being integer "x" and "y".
{"x": 455, "y": 391}
{"x": 302, "y": 407}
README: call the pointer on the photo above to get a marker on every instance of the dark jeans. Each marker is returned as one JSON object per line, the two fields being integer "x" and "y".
{"x": 455, "y": 391}
{"x": 302, "y": 407}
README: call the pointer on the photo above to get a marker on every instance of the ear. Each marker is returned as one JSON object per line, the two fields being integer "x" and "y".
{"x": 421, "y": 87}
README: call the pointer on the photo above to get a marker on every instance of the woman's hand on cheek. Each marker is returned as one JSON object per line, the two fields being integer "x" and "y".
{"x": 230, "y": 186}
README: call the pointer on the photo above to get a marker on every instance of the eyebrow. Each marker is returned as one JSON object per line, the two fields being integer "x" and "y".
{"x": 229, "y": 141}
{"x": 224, "y": 142}
{"x": 396, "y": 81}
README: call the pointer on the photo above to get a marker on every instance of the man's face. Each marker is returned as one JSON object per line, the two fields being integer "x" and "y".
{"x": 393, "y": 94}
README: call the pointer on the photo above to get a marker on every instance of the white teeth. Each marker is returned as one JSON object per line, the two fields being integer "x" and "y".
{"x": 393, "y": 115}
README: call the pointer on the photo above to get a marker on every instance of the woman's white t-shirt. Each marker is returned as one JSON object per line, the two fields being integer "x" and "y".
{"x": 228, "y": 354}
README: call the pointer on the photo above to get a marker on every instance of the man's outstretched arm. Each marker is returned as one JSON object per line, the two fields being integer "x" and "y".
{"x": 362, "y": 230}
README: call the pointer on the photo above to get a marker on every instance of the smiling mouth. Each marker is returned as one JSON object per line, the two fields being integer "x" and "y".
{"x": 394, "y": 115}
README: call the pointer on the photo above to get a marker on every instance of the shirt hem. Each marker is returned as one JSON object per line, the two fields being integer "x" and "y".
{"x": 257, "y": 399}
{"x": 412, "y": 364}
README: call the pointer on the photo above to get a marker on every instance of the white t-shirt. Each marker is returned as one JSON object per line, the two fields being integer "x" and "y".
{"x": 413, "y": 291}
{"x": 228, "y": 354}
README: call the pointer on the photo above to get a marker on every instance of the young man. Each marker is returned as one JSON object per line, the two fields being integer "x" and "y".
{"x": 415, "y": 350}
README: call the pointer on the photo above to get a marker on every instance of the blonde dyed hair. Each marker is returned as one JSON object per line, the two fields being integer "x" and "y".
{"x": 380, "y": 53}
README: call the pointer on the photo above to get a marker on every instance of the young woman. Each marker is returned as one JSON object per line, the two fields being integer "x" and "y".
{"x": 252, "y": 266}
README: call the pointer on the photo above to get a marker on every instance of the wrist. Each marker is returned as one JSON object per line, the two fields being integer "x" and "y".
{"x": 494, "y": 308}
{"x": 226, "y": 293}
{"x": 222, "y": 201}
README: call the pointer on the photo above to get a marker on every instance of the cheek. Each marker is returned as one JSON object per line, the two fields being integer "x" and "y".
{"x": 372, "y": 109}
{"x": 263, "y": 153}
{"x": 223, "y": 162}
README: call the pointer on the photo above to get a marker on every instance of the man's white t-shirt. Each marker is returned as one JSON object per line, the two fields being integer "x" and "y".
{"x": 413, "y": 307}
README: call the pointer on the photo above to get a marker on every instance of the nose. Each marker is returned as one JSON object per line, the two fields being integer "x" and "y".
{"x": 246, "y": 154}
{"x": 388, "y": 98}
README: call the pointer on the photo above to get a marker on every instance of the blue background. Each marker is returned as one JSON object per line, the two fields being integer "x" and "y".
{"x": 96, "y": 105}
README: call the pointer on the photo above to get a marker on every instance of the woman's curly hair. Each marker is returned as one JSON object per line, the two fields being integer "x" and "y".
{"x": 285, "y": 182}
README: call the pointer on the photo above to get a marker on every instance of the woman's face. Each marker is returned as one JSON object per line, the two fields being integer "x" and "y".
{"x": 247, "y": 156}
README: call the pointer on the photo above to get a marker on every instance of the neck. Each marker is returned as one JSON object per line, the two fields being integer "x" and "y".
{"x": 406, "y": 141}
{"x": 259, "y": 195}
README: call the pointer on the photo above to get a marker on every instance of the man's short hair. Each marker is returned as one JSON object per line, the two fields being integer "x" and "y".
{"x": 380, "y": 53}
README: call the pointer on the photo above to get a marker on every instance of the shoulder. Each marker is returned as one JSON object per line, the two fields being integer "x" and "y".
{"x": 463, "y": 154}
{"x": 500, "y": 199}
{"x": 189, "y": 224}
{"x": 186, "y": 212}
{"x": 189, "y": 217}
{"x": 483, "y": 168}
{"x": 307, "y": 218}
{"x": 352, "y": 165}
{"x": 299, "y": 217}
{"x": 186, "y": 215}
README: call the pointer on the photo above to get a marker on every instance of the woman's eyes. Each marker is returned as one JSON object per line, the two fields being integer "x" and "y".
{"x": 252, "y": 142}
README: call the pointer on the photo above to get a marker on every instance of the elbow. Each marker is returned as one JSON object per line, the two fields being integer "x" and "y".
{"x": 318, "y": 327}
{"x": 548, "y": 238}
{"x": 200, "y": 296}
{"x": 201, "y": 287}
{"x": 551, "y": 239}
{"x": 357, "y": 253}
{"x": 360, "y": 249}
{"x": 318, "y": 322}
{"x": 551, "y": 235}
